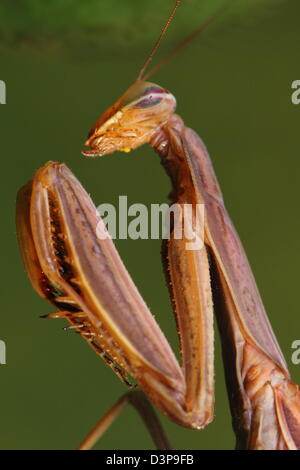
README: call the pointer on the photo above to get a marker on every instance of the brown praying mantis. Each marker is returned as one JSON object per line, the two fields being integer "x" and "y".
{"x": 84, "y": 277}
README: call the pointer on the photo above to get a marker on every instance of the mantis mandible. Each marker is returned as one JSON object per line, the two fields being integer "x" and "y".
{"x": 86, "y": 280}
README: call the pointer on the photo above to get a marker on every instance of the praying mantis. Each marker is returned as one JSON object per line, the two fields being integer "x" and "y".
{"x": 84, "y": 277}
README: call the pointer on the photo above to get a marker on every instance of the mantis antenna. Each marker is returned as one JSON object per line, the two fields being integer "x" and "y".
{"x": 158, "y": 41}
{"x": 180, "y": 46}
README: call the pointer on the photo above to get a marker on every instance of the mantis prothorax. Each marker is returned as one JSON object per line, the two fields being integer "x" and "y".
{"x": 86, "y": 280}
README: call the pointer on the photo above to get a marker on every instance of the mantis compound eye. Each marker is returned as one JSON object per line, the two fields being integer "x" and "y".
{"x": 152, "y": 96}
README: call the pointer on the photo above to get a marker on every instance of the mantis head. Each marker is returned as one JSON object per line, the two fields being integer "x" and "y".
{"x": 131, "y": 121}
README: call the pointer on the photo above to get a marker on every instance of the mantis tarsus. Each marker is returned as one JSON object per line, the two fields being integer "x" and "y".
{"x": 86, "y": 280}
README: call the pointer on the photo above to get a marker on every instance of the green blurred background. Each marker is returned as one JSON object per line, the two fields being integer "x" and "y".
{"x": 64, "y": 62}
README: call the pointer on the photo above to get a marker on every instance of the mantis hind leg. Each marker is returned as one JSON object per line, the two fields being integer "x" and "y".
{"x": 139, "y": 401}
